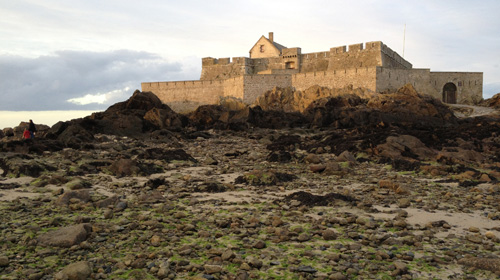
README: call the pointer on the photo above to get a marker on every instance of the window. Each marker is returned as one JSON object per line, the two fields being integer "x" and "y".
{"x": 261, "y": 48}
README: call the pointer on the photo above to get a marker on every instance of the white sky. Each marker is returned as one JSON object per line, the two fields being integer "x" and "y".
{"x": 89, "y": 54}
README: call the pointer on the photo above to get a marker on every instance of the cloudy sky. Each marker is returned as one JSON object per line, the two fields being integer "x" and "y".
{"x": 89, "y": 54}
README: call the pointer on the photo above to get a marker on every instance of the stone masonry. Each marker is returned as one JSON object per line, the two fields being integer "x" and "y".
{"x": 372, "y": 65}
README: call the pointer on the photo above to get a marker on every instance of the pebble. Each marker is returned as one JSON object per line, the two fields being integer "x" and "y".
{"x": 490, "y": 235}
{"x": 329, "y": 234}
{"x": 4, "y": 261}
{"x": 473, "y": 229}
{"x": 337, "y": 276}
{"x": 404, "y": 202}
{"x": 474, "y": 238}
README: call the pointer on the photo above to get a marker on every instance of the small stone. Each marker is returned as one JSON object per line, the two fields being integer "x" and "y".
{"x": 155, "y": 241}
{"x": 304, "y": 237}
{"x": 317, "y": 168}
{"x": 4, "y": 261}
{"x": 227, "y": 255}
{"x": 306, "y": 269}
{"x": 108, "y": 214}
{"x": 120, "y": 206}
{"x": 490, "y": 235}
{"x": 255, "y": 262}
{"x": 474, "y": 238}
{"x": 360, "y": 221}
{"x": 35, "y": 276}
{"x": 399, "y": 223}
{"x": 473, "y": 229}
{"x": 75, "y": 271}
{"x": 337, "y": 276}
{"x": 329, "y": 234}
{"x": 400, "y": 265}
{"x": 485, "y": 178}
{"x": 346, "y": 156}
{"x": 242, "y": 275}
{"x": 245, "y": 266}
{"x": 312, "y": 158}
{"x": 212, "y": 269}
{"x": 259, "y": 245}
{"x": 404, "y": 203}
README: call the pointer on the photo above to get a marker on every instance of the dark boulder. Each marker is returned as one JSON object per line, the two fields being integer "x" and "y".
{"x": 17, "y": 165}
{"x": 74, "y": 136}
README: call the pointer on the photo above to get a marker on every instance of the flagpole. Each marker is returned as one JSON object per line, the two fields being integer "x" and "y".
{"x": 404, "y": 38}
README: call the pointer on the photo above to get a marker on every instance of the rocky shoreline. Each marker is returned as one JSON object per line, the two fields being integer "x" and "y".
{"x": 390, "y": 187}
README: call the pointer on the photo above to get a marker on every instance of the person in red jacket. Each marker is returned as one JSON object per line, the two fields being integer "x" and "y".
{"x": 26, "y": 134}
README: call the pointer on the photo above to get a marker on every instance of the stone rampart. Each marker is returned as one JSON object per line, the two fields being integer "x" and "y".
{"x": 357, "y": 77}
{"x": 223, "y": 68}
{"x": 469, "y": 85}
{"x": 394, "y": 78}
{"x": 255, "y": 85}
{"x": 183, "y": 96}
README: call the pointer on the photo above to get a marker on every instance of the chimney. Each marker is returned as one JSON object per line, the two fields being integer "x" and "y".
{"x": 271, "y": 37}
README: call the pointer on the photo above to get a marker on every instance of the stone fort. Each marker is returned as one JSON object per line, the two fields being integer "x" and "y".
{"x": 371, "y": 65}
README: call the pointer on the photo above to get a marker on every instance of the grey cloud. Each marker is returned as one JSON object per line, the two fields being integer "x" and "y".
{"x": 47, "y": 82}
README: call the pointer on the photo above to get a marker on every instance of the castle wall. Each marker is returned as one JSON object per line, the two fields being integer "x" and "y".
{"x": 223, "y": 68}
{"x": 311, "y": 62}
{"x": 469, "y": 85}
{"x": 357, "y": 77}
{"x": 394, "y": 78}
{"x": 354, "y": 57}
{"x": 234, "y": 88}
{"x": 187, "y": 95}
{"x": 255, "y": 85}
{"x": 391, "y": 58}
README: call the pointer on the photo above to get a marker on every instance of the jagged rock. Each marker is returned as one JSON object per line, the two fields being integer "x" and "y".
{"x": 405, "y": 146}
{"x": 74, "y": 136}
{"x": 493, "y": 102}
{"x": 8, "y": 132}
{"x": 220, "y": 117}
{"x": 66, "y": 236}
{"x": 17, "y": 165}
{"x": 165, "y": 118}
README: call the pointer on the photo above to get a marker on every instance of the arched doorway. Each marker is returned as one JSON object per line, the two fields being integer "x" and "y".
{"x": 450, "y": 93}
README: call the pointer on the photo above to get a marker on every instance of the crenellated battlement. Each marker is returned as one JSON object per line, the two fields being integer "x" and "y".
{"x": 358, "y": 55}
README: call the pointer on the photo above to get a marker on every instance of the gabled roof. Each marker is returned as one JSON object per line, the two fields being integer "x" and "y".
{"x": 276, "y": 45}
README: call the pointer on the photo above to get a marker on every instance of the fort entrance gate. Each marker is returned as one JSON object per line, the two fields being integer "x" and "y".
{"x": 450, "y": 93}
